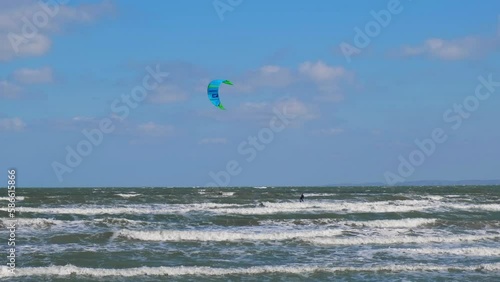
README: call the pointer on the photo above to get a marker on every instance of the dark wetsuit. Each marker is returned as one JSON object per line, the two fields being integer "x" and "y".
{"x": 302, "y": 197}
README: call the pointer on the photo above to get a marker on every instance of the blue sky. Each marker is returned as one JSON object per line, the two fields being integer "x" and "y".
{"x": 354, "y": 117}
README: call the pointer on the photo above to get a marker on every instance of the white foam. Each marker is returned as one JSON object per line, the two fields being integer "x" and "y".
{"x": 68, "y": 270}
{"x": 18, "y": 198}
{"x": 223, "y": 194}
{"x": 455, "y": 196}
{"x": 129, "y": 209}
{"x": 130, "y": 195}
{"x": 40, "y": 223}
{"x": 488, "y": 207}
{"x": 36, "y": 222}
{"x": 383, "y": 223}
{"x": 393, "y": 223}
{"x": 338, "y": 207}
{"x": 480, "y": 252}
{"x": 343, "y": 207}
{"x": 319, "y": 194}
{"x": 434, "y": 197}
{"x": 219, "y": 236}
{"x": 114, "y": 220}
{"x": 399, "y": 240}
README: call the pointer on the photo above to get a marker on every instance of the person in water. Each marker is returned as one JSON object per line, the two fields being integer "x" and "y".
{"x": 302, "y": 197}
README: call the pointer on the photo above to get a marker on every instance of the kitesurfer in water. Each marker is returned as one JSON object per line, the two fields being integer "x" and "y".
{"x": 302, "y": 197}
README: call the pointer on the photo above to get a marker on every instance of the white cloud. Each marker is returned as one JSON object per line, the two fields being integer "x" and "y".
{"x": 167, "y": 94}
{"x": 83, "y": 119}
{"x": 121, "y": 127}
{"x": 86, "y": 13}
{"x": 247, "y": 111}
{"x": 12, "y": 124}
{"x": 297, "y": 109}
{"x": 154, "y": 129}
{"x": 9, "y": 90}
{"x": 320, "y": 71}
{"x": 252, "y": 107}
{"x": 33, "y": 39}
{"x": 36, "y": 46}
{"x": 327, "y": 80}
{"x": 76, "y": 123}
{"x": 455, "y": 49}
{"x": 262, "y": 113}
{"x": 31, "y": 76}
{"x": 330, "y": 131}
{"x": 266, "y": 76}
{"x": 213, "y": 141}
{"x": 270, "y": 69}
{"x": 330, "y": 92}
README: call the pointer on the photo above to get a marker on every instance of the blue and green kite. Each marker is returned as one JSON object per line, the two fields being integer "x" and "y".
{"x": 213, "y": 92}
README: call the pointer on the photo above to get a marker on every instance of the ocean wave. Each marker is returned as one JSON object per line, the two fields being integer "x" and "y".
{"x": 393, "y": 223}
{"x": 43, "y": 223}
{"x": 319, "y": 194}
{"x": 399, "y": 240}
{"x": 473, "y": 251}
{"x": 382, "y": 223}
{"x": 129, "y": 195}
{"x": 217, "y": 193}
{"x": 219, "y": 236}
{"x": 18, "y": 198}
{"x": 291, "y": 223}
{"x": 338, "y": 207}
{"x": 35, "y": 222}
{"x": 398, "y": 206}
{"x": 487, "y": 207}
{"x": 68, "y": 270}
{"x": 130, "y": 209}
{"x": 433, "y": 197}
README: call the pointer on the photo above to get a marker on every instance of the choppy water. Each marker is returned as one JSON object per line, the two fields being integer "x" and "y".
{"x": 255, "y": 234}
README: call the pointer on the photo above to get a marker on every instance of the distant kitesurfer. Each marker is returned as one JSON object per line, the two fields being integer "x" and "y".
{"x": 302, "y": 197}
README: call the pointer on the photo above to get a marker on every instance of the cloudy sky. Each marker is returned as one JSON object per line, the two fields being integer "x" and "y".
{"x": 330, "y": 92}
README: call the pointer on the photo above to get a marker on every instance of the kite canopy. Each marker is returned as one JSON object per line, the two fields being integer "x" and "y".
{"x": 213, "y": 92}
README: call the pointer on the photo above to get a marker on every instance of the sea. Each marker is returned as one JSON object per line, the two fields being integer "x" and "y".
{"x": 449, "y": 233}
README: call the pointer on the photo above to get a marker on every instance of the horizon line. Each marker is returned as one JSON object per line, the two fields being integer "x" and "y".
{"x": 345, "y": 184}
